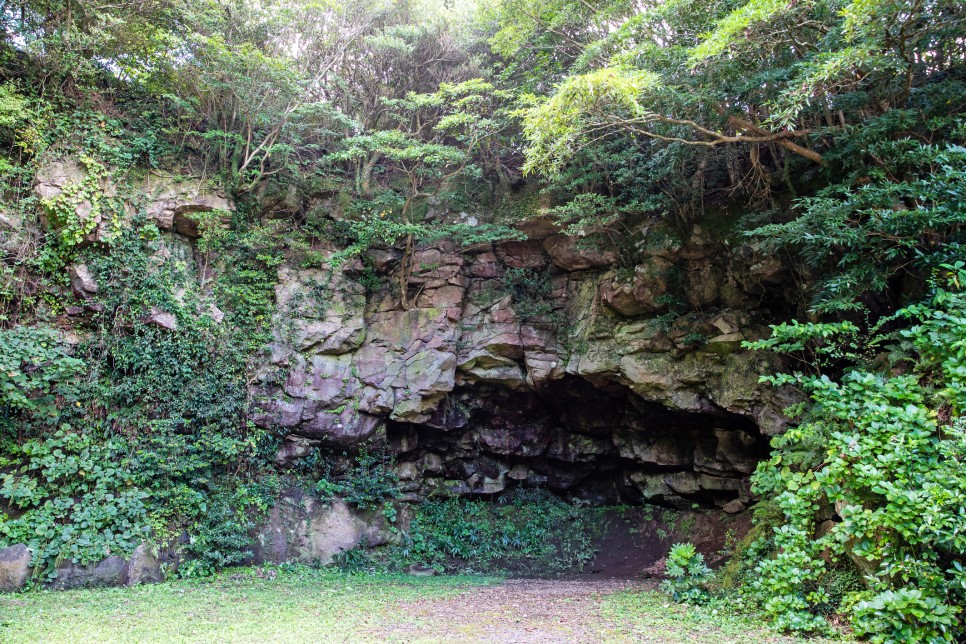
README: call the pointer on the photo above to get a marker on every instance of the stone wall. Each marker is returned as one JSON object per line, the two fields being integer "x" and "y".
{"x": 631, "y": 385}
{"x": 142, "y": 567}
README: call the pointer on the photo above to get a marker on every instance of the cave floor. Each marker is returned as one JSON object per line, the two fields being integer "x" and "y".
{"x": 304, "y": 605}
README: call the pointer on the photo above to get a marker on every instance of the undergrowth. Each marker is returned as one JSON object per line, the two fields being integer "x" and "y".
{"x": 527, "y": 531}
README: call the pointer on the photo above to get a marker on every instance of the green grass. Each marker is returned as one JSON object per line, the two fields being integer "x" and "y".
{"x": 651, "y": 616}
{"x": 243, "y": 605}
{"x": 300, "y": 604}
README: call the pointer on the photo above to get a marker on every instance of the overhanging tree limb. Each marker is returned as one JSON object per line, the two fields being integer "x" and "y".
{"x": 715, "y": 138}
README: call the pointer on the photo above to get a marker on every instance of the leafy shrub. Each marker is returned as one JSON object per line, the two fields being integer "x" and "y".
{"x": 220, "y": 540}
{"x": 77, "y": 497}
{"x": 368, "y": 484}
{"x": 687, "y": 574}
{"x": 529, "y": 529}
{"x": 355, "y": 560}
{"x": 151, "y": 439}
{"x": 532, "y": 294}
{"x": 886, "y": 453}
{"x": 905, "y": 615}
{"x": 35, "y": 369}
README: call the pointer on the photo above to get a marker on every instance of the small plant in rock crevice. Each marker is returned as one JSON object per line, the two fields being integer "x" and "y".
{"x": 532, "y": 294}
{"x": 368, "y": 484}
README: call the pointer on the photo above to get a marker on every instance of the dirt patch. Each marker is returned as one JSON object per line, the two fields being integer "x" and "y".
{"x": 635, "y": 541}
{"x": 516, "y": 611}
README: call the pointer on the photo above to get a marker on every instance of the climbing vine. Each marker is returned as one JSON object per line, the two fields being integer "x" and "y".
{"x": 80, "y": 207}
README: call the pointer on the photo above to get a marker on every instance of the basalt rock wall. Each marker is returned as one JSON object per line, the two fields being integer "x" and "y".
{"x": 536, "y": 362}
{"x": 541, "y": 362}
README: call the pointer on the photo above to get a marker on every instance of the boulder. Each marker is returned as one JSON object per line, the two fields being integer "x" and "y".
{"x": 645, "y": 292}
{"x": 82, "y": 282}
{"x": 577, "y": 448}
{"x": 340, "y": 427}
{"x": 293, "y": 449}
{"x": 111, "y": 571}
{"x": 179, "y": 205}
{"x": 569, "y": 255}
{"x": 304, "y": 529}
{"x": 144, "y": 566}
{"x": 161, "y": 319}
{"x": 522, "y": 254}
{"x": 659, "y": 449}
{"x": 319, "y": 311}
{"x": 14, "y": 567}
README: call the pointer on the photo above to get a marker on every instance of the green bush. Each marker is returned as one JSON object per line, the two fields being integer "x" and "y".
{"x": 35, "y": 368}
{"x": 687, "y": 575}
{"x": 528, "y": 529}
{"x": 367, "y": 485}
{"x": 882, "y": 455}
{"x": 77, "y": 499}
{"x": 906, "y": 615}
{"x": 532, "y": 294}
{"x": 138, "y": 432}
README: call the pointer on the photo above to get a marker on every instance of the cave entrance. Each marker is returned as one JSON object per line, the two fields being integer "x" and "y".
{"x": 602, "y": 444}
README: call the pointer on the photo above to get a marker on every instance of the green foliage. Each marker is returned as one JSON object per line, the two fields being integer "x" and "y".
{"x": 886, "y": 454}
{"x": 557, "y": 127}
{"x": 906, "y": 615}
{"x": 222, "y": 536}
{"x": 694, "y": 340}
{"x": 862, "y": 232}
{"x": 78, "y": 209}
{"x": 367, "y": 485}
{"x": 527, "y": 530}
{"x": 35, "y": 369}
{"x": 532, "y": 294}
{"x": 76, "y": 499}
{"x": 152, "y": 438}
{"x": 687, "y": 574}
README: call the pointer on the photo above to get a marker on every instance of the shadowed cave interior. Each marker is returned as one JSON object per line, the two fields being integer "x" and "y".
{"x": 602, "y": 444}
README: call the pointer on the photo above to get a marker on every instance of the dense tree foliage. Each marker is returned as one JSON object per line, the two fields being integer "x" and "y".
{"x": 834, "y": 128}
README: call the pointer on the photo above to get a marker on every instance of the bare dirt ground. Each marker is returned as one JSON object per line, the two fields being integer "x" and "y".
{"x": 518, "y": 610}
{"x": 589, "y": 609}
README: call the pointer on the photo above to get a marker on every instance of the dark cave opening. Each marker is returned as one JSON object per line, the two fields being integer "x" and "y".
{"x": 601, "y": 444}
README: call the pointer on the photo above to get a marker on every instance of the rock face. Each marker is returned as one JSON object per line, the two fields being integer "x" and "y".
{"x": 177, "y": 205}
{"x": 143, "y": 566}
{"x": 82, "y": 282}
{"x": 14, "y": 567}
{"x": 106, "y": 572}
{"x": 527, "y": 363}
{"x": 302, "y": 528}
{"x": 173, "y": 205}
{"x": 608, "y": 385}
{"x": 533, "y": 362}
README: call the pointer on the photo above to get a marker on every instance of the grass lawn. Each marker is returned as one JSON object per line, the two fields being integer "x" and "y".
{"x": 245, "y": 605}
{"x": 651, "y": 617}
{"x": 305, "y": 605}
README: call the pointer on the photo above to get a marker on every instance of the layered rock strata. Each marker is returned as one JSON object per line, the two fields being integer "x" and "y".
{"x": 606, "y": 384}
